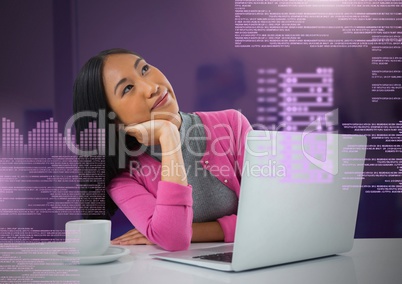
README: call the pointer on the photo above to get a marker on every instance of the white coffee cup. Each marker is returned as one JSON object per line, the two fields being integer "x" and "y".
{"x": 88, "y": 237}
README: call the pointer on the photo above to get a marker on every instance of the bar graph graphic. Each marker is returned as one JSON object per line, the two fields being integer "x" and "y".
{"x": 46, "y": 139}
{"x": 293, "y": 100}
{"x": 290, "y": 100}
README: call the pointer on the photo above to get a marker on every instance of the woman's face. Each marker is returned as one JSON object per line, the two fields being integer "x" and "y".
{"x": 138, "y": 92}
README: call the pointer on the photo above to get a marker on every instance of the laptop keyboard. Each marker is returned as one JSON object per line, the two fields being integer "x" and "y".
{"x": 225, "y": 257}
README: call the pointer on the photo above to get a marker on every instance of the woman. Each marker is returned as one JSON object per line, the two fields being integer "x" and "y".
{"x": 181, "y": 180}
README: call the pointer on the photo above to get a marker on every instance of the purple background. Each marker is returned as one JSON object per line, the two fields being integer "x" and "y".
{"x": 44, "y": 43}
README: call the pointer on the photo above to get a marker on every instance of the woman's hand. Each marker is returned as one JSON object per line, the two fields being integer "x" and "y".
{"x": 150, "y": 132}
{"x": 166, "y": 134}
{"x": 132, "y": 237}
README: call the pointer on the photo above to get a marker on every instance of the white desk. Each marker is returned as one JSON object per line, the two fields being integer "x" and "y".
{"x": 371, "y": 261}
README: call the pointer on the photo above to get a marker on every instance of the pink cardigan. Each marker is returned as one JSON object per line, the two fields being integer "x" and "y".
{"x": 161, "y": 210}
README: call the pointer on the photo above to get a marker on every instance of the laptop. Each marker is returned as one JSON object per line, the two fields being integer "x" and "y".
{"x": 298, "y": 200}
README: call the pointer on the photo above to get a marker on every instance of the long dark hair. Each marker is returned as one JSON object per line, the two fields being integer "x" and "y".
{"x": 89, "y": 95}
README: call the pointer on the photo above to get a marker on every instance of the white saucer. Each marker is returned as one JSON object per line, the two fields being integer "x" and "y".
{"x": 113, "y": 253}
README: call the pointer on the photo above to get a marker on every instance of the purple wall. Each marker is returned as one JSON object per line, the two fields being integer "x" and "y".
{"x": 27, "y": 62}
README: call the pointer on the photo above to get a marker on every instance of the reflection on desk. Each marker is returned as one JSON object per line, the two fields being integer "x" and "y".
{"x": 370, "y": 261}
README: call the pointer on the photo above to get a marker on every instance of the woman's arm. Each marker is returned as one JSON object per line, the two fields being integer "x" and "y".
{"x": 164, "y": 215}
{"x": 207, "y": 232}
{"x": 173, "y": 169}
{"x": 202, "y": 232}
